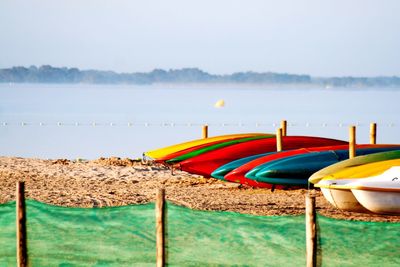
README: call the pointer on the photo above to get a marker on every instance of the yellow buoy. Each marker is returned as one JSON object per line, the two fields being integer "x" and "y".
{"x": 220, "y": 103}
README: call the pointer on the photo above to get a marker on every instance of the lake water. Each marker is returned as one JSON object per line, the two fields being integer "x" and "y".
{"x": 91, "y": 121}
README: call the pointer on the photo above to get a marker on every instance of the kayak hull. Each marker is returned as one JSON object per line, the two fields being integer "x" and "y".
{"x": 357, "y": 161}
{"x": 206, "y": 163}
{"x": 162, "y": 152}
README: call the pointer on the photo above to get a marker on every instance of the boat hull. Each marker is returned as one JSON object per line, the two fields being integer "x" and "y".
{"x": 215, "y": 147}
{"x": 378, "y": 202}
{"x": 206, "y": 163}
{"x": 357, "y": 161}
{"x": 162, "y": 152}
{"x": 301, "y": 167}
{"x": 343, "y": 199}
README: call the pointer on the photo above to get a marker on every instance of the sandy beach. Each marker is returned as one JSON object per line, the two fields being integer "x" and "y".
{"x": 115, "y": 182}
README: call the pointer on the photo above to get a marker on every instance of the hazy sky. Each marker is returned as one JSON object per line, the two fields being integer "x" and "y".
{"x": 317, "y": 37}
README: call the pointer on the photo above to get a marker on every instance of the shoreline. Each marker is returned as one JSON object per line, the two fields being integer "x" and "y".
{"x": 117, "y": 182}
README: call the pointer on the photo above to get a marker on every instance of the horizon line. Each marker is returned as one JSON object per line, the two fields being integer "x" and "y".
{"x": 196, "y": 68}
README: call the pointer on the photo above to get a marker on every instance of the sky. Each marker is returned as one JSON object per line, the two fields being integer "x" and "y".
{"x": 316, "y": 37}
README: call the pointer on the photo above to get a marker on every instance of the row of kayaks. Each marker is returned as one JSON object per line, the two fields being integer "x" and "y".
{"x": 252, "y": 159}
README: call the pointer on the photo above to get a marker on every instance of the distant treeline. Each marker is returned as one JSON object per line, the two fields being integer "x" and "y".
{"x": 49, "y": 74}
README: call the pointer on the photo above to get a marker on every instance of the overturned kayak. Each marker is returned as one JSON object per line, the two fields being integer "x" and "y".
{"x": 162, "y": 152}
{"x": 206, "y": 163}
{"x": 357, "y": 161}
{"x": 200, "y": 149}
{"x": 209, "y": 148}
{"x": 222, "y": 171}
{"x": 238, "y": 173}
{"x": 297, "y": 169}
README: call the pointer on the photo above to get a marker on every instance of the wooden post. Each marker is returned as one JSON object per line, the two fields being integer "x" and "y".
{"x": 311, "y": 232}
{"x": 160, "y": 244}
{"x": 205, "y": 131}
{"x": 22, "y": 256}
{"x": 352, "y": 142}
{"x": 279, "y": 145}
{"x": 284, "y": 127}
{"x": 372, "y": 133}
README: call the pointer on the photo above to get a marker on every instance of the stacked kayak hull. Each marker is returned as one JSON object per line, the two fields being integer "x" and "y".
{"x": 212, "y": 147}
{"x": 296, "y": 170}
{"x": 357, "y": 161}
{"x": 164, "y": 159}
{"x": 227, "y": 168}
{"x": 162, "y": 152}
{"x": 235, "y": 171}
{"x": 206, "y": 163}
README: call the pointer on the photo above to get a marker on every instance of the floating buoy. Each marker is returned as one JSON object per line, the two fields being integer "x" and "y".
{"x": 219, "y": 104}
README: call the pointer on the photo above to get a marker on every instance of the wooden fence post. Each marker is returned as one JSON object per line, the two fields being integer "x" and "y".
{"x": 160, "y": 233}
{"x": 372, "y": 133}
{"x": 311, "y": 232}
{"x": 352, "y": 142}
{"x": 279, "y": 145}
{"x": 22, "y": 255}
{"x": 205, "y": 131}
{"x": 284, "y": 127}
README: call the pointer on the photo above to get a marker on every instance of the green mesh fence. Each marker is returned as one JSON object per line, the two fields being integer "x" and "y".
{"x": 8, "y": 242}
{"x": 356, "y": 243}
{"x": 59, "y": 236}
{"x": 198, "y": 238}
{"x": 125, "y": 236}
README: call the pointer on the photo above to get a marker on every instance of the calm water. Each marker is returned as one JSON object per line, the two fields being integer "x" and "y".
{"x": 90, "y": 121}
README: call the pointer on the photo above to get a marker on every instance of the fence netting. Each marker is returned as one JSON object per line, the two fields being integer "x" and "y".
{"x": 125, "y": 236}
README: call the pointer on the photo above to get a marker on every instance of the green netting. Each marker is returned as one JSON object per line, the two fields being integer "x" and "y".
{"x": 356, "y": 243}
{"x": 125, "y": 236}
{"x": 198, "y": 238}
{"x": 8, "y": 240}
{"x": 59, "y": 236}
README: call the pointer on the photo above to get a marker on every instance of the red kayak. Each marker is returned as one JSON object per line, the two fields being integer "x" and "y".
{"x": 238, "y": 175}
{"x": 206, "y": 163}
{"x": 188, "y": 150}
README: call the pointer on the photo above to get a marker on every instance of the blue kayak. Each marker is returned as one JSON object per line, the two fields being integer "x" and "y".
{"x": 296, "y": 170}
{"x": 225, "y": 169}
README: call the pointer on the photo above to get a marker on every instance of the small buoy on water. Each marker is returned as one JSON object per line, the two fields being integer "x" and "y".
{"x": 220, "y": 103}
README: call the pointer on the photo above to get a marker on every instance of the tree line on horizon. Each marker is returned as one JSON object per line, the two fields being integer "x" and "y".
{"x": 49, "y": 74}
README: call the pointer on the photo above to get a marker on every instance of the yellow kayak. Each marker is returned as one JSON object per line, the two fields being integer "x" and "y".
{"x": 359, "y": 172}
{"x": 162, "y": 152}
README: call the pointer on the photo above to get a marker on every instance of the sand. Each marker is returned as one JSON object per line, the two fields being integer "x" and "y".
{"x": 115, "y": 182}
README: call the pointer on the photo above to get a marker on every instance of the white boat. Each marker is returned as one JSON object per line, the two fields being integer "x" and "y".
{"x": 335, "y": 186}
{"x": 339, "y": 196}
{"x": 379, "y": 194}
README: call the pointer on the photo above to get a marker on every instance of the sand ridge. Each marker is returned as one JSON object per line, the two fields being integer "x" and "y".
{"x": 116, "y": 182}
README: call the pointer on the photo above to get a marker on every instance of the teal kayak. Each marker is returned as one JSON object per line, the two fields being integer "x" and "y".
{"x": 297, "y": 169}
{"x": 225, "y": 169}
{"x": 357, "y": 161}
